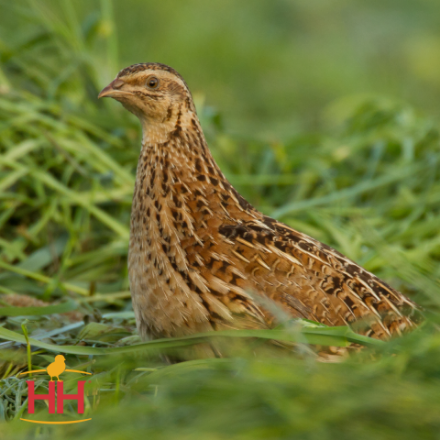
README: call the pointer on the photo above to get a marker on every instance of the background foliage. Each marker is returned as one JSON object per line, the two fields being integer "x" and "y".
{"x": 318, "y": 101}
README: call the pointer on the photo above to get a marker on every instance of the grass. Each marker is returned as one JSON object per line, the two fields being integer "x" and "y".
{"x": 369, "y": 186}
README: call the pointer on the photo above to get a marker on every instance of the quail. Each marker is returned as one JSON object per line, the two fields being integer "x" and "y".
{"x": 202, "y": 258}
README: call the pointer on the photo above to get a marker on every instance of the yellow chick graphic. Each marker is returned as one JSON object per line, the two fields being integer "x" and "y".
{"x": 56, "y": 368}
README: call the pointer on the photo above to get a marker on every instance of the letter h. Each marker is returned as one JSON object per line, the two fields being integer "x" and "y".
{"x": 79, "y": 397}
{"x": 32, "y": 397}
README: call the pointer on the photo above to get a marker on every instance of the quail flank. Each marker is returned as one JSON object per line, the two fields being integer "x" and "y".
{"x": 200, "y": 255}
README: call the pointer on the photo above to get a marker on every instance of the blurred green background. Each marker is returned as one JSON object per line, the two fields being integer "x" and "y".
{"x": 331, "y": 107}
{"x": 269, "y": 66}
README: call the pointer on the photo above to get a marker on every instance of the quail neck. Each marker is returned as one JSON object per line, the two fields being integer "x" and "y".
{"x": 201, "y": 256}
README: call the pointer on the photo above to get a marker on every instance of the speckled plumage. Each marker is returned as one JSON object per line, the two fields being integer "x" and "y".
{"x": 200, "y": 255}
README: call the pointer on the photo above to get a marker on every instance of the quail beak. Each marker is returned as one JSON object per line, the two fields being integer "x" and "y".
{"x": 112, "y": 90}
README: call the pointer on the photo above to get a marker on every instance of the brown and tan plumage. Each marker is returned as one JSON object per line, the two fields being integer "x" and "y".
{"x": 200, "y": 254}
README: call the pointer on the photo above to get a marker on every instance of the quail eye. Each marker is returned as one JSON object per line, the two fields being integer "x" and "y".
{"x": 152, "y": 82}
